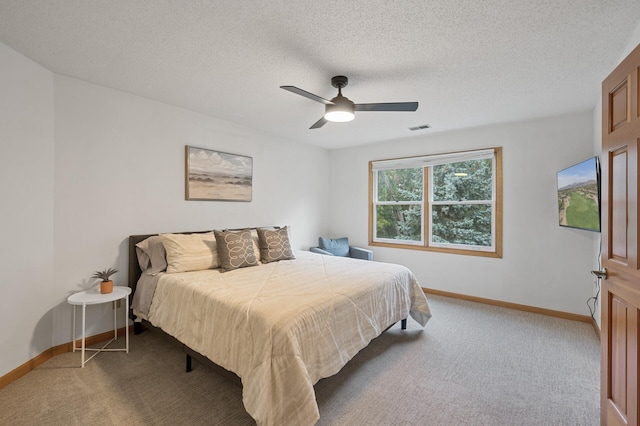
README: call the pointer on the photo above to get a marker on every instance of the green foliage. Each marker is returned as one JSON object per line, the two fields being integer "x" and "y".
{"x": 400, "y": 184}
{"x": 476, "y": 184}
{"x": 400, "y": 221}
{"x": 104, "y": 275}
{"x": 467, "y": 224}
{"x": 462, "y": 224}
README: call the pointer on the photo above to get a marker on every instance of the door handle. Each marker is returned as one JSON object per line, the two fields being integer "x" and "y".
{"x": 601, "y": 275}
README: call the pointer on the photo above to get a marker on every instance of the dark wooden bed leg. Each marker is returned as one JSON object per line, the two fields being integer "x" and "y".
{"x": 188, "y": 363}
{"x": 137, "y": 328}
{"x": 403, "y": 324}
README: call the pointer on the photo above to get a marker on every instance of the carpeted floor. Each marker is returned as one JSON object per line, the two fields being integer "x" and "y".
{"x": 472, "y": 364}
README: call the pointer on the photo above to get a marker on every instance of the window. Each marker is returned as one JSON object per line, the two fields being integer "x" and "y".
{"x": 445, "y": 202}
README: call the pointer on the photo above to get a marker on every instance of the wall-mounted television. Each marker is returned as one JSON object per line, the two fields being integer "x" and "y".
{"x": 579, "y": 195}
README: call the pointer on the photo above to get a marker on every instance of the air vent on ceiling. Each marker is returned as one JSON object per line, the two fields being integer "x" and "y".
{"x": 424, "y": 126}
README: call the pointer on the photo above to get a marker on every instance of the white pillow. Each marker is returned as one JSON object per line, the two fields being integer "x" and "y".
{"x": 190, "y": 252}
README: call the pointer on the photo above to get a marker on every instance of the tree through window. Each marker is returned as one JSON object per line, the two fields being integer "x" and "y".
{"x": 445, "y": 202}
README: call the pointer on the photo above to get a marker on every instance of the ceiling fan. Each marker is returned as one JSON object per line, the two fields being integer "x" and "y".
{"x": 341, "y": 109}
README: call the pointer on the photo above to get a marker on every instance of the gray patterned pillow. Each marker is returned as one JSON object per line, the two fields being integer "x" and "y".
{"x": 235, "y": 249}
{"x": 152, "y": 257}
{"x": 274, "y": 244}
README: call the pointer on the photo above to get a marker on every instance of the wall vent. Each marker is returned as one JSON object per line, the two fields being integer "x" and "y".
{"x": 424, "y": 126}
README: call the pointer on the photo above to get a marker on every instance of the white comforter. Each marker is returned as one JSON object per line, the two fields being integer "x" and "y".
{"x": 283, "y": 326}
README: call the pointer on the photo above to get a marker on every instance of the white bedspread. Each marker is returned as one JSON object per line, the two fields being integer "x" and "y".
{"x": 283, "y": 326}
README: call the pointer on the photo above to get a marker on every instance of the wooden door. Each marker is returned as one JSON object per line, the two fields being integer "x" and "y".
{"x": 621, "y": 289}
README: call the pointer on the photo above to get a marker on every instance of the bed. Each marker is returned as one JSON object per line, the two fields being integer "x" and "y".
{"x": 281, "y": 323}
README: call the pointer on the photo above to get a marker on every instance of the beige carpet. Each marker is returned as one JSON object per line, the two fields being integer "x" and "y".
{"x": 473, "y": 364}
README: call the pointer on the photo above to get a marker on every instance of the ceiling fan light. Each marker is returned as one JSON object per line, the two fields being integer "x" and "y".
{"x": 339, "y": 116}
{"x": 340, "y": 111}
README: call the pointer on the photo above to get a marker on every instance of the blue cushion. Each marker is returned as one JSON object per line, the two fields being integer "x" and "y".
{"x": 337, "y": 247}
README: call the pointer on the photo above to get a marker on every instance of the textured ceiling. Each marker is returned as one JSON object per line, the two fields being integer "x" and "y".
{"x": 467, "y": 62}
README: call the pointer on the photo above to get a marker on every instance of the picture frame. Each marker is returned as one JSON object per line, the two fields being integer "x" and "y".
{"x": 212, "y": 175}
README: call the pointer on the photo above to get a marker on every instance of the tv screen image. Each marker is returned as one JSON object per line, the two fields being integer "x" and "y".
{"x": 579, "y": 195}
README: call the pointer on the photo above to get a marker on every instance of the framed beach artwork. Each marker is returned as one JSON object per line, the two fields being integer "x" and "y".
{"x": 217, "y": 176}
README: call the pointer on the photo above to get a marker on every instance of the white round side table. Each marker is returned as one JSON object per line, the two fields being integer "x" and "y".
{"x": 94, "y": 297}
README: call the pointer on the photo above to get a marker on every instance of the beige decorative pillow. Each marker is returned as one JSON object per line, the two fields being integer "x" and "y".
{"x": 256, "y": 245}
{"x": 235, "y": 249}
{"x": 274, "y": 244}
{"x": 190, "y": 252}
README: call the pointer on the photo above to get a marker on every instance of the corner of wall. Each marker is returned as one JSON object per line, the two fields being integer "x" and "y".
{"x": 26, "y": 176}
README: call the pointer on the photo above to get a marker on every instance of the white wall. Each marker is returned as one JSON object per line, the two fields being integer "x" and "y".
{"x": 82, "y": 167}
{"x": 597, "y": 148}
{"x": 543, "y": 265}
{"x": 120, "y": 171}
{"x": 26, "y": 208}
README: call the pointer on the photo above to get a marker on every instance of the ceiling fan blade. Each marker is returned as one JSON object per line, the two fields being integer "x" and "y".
{"x": 392, "y": 106}
{"x": 306, "y": 94}
{"x": 319, "y": 123}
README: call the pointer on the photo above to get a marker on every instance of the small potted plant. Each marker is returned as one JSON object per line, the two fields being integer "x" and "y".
{"x": 106, "y": 286}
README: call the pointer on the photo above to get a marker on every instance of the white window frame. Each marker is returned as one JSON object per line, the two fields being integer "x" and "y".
{"x": 377, "y": 202}
{"x": 491, "y": 202}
